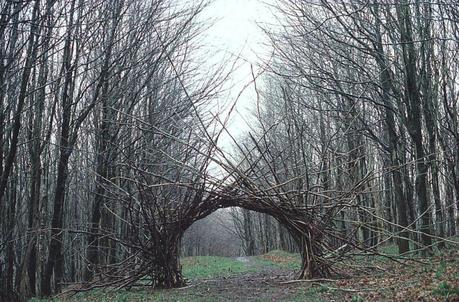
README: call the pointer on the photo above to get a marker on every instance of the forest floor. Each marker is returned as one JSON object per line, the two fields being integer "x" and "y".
{"x": 268, "y": 278}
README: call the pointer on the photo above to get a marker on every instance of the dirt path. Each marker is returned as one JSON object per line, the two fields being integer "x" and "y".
{"x": 263, "y": 278}
{"x": 437, "y": 280}
{"x": 263, "y": 284}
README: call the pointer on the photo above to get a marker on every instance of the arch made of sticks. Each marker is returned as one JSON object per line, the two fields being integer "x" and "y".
{"x": 304, "y": 224}
{"x": 159, "y": 257}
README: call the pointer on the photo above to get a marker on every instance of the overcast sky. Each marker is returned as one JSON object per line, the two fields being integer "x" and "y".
{"x": 236, "y": 31}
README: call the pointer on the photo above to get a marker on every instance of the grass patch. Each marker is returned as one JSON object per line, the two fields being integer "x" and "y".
{"x": 211, "y": 266}
{"x": 100, "y": 295}
{"x": 356, "y": 298}
{"x": 193, "y": 268}
{"x": 441, "y": 269}
{"x": 133, "y": 295}
{"x": 445, "y": 289}
{"x": 306, "y": 295}
{"x": 389, "y": 249}
{"x": 280, "y": 259}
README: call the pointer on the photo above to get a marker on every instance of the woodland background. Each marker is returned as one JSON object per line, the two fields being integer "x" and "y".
{"x": 106, "y": 132}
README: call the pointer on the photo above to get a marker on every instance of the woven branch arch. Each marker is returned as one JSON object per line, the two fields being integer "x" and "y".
{"x": 303, "y": 223}
{"x": 159, "y": 260}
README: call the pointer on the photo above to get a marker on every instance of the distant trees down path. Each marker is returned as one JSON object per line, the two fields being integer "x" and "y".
{"x": 109, "y": 152}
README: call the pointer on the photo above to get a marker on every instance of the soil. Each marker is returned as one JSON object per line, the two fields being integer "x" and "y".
{"x": 433, "y": 279}
{"x": 368, "y": 279}
{"x": 264, "y": 284}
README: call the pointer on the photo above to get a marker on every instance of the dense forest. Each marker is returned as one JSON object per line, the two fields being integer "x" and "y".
{"x": 110, "y": 143}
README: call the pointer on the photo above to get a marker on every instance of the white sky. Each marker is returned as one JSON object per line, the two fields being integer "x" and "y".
{"x": 236, "y": 31}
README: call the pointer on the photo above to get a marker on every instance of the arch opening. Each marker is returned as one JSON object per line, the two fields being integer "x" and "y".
{"x": 305, "y": 231}
{"x": 236, "y": 232}
{"x": 215, "y": 235}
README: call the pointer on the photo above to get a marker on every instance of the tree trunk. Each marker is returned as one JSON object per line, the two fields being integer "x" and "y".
{"x": 54, "y": 260}
{"x": 105, "y": 140}
{"x": 429, "y": 98}
{"x": 10, "y": 245}
{"x": 249, "y": 240}
{"x": 30, "y": 55}
{"x": 449, "y": 196}
{"x": 393, "y": 144}
{"x": 29, "y": 265}
{"x": 414, "y": 120}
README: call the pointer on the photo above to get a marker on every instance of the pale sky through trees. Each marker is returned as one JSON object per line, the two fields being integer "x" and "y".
{"x": 236, "y": 31}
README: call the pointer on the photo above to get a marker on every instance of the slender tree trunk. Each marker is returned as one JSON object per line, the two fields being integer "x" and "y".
{"x": 54, "y": 262}
{"x": 30, "y": 60}
{"x": 35, "y": 150}
{"x": 429, "y": 98}
{"x": 449, "y": 196}
{"x": 249, "y": 240}
{"x": 99, "y": 197}
{"x": 104, "y": 149}
{"x": 10, "y": 245}
{"x": 55, "y": 258}
{"x": 414, "y": 119}
{"x": 393, "y": 144}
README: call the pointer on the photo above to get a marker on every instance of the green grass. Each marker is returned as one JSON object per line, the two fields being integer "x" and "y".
{"x": 356, "y": 298}
{"x": 140, "y": 295}
{"x": 193, "y": 268}
{"x": 445, "y": 289}
{"x": 390, "y": 249}
{"x": 280, "y": 259}
{"x": 441, "y": 269}
{"x": 211, "y": 266}
{"x": 309, "y": 295}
